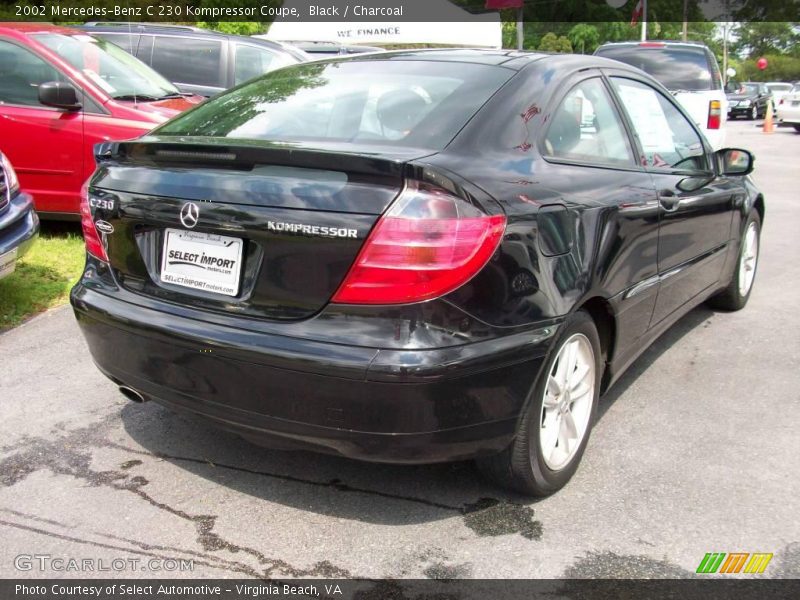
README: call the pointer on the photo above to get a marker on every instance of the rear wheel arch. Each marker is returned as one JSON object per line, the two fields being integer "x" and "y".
{"x": 600, "y": 311}
{"x": 759, "y": 206}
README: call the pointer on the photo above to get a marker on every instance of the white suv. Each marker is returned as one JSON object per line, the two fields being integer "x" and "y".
{"x": 688, "y": 70}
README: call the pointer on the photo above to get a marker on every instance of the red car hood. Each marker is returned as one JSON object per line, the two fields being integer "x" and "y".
{"x": 167, "y": 108}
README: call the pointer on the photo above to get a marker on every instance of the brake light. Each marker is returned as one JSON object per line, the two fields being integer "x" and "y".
{"x": 94, "y": 244}
{"x": 652, "y": 44}
{"x": 428, "y": 244}
{"x": 714, "y": 114}
{"x": 780, "y": 102}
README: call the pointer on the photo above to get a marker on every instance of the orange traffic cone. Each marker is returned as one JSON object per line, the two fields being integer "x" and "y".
{"x": 768, "y": 126}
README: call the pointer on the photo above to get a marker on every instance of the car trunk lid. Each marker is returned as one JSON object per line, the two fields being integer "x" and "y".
{"x": 267, "y": 230}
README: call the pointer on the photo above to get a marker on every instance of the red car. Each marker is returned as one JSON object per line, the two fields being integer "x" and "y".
{"x": 62, "y": 91}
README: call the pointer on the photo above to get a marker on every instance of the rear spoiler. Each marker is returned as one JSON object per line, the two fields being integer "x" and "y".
{"x": 244, "y": 156}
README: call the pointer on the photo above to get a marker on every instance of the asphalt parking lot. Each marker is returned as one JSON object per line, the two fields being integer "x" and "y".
{"x": 696, "y": 450}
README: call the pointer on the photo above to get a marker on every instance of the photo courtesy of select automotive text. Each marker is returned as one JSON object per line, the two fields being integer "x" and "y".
{"x": 399, "y": 299}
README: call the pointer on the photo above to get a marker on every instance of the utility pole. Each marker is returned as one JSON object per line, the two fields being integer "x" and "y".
{"x": 725, "y": 52}
{"x": 725, "y": 25}
{"x": 644, "y": 20}
{"x": 520, "y": 28}
{"x": 685, "y": 33}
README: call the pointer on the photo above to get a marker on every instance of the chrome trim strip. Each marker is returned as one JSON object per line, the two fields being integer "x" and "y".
{"x": 654, "y": 279}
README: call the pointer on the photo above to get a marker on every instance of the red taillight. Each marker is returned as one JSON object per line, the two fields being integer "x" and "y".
{"x": 714, "y": 114}
{"x": 94, "y": 245}
{"x": 652, "y": 44}
{"x": 428, "y": 244}
{"x": 780, "y": 102}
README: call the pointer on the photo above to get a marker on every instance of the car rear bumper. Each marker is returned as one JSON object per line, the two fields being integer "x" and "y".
{"x": 19, "y": 225}
{"x": 789, "y": 115}
{"x": 385, "y": 405}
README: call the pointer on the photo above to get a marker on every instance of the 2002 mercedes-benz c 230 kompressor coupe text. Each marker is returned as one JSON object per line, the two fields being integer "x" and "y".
{"x": 412, "y": 257}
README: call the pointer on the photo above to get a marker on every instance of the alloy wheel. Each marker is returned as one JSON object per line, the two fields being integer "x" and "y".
{"x": 748, "y": 259}
{"x": 567, "y": 403}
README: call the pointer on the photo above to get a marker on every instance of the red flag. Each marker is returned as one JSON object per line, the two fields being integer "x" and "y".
{"x": 497, "y": 4}
{"x": 637, "y": 13}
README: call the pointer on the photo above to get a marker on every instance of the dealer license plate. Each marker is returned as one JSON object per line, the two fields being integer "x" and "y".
{"x": 8, "y": 262}
{"x": 202, "y": 261}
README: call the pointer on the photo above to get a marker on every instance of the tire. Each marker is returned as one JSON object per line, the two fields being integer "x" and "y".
{"x": 753, "y": 114}
{"x": 796, "y": 128}
{"x": 524, "y": 466}
{"x": 737, "y": 293}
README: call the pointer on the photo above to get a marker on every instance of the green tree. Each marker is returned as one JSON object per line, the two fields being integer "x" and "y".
{"x": 756, "y": 39}
{"x": 584, "y": 38}
{"x": 554, "y": 43}
{"x": 779, "y": 68}
{"x": 234, "y": 27}
{"x": 617, "y": 31}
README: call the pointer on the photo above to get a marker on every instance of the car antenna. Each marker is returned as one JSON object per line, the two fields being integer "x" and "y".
{"x": 130, "y": 41}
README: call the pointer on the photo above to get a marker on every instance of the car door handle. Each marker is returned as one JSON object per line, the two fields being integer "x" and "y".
{"x": 671, "y": 202}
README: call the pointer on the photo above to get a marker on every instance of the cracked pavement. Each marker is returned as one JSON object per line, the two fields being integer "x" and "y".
{"x": 695, "y": 450}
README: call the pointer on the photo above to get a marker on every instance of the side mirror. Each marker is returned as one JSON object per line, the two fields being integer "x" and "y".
{"x": 59, "y": 94}
{"x": 735, "y": 161}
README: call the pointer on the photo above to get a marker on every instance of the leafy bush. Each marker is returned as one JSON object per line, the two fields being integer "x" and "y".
{"x": 234, "y": 27}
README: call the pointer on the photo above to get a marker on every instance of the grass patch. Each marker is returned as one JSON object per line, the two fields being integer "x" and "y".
{"x": 44, "y": 276}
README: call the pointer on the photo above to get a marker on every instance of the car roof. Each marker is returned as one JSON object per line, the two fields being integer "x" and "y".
{"x": 656, "y": 44}
{"x": 173, "y": 30}
{"x": 27, "y": 28}
{"x": 332, "y": 47}
{"x": 509, "y": 59}
{"x": 506, "y": 58}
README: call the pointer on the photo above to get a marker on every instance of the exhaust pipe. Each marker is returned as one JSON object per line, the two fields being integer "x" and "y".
{"x": 131, "y": 394}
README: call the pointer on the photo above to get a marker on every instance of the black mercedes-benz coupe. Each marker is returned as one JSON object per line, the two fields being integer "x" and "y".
{"x": 412, "y": 257}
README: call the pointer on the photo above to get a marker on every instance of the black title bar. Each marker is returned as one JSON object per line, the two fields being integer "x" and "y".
{"x": 706, "y": 588}
{"x": 452, "y": 11}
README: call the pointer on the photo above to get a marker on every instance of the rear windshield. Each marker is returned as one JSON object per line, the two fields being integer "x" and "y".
{"x": 779, "y": 87}
{"x": 421, "y": 104}
{"x": 677, "y": 68}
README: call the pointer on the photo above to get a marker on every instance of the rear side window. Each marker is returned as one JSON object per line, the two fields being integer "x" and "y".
{"x": 421, "y": 104}
{"x": 676, "y": 67}
{"x": 252, "y": 61}
{"x": 586, "y": 127}
{"x": 187, "y": 60}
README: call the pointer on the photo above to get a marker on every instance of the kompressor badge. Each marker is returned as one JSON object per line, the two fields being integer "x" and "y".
{"x": 312, "y": 230}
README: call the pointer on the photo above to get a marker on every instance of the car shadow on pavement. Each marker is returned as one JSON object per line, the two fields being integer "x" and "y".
{"x": 323, "y": 484}
{"x": 349, "y": 489}
{"x": 671, "y": 336}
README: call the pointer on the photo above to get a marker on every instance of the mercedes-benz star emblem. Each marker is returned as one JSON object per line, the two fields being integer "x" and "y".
{"x": 190, "y": 215}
